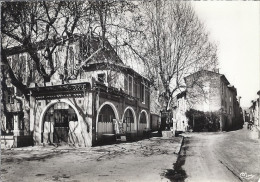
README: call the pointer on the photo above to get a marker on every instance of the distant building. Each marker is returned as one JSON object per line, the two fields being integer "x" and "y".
{"x": 209, "y": 91}
{"x": 254, "y": 115}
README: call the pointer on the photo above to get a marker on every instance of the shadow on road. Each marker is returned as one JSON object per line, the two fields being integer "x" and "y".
{"x": 177, "y": 173}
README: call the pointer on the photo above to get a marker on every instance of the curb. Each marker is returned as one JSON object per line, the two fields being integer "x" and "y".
{"x": 180, "y": 146}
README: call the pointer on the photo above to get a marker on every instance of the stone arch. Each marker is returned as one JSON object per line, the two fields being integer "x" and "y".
{"x": 112, "y": 106}
{"x": 51, "y": 104}
{"x": 133, "y": 112}
{"x": 146, "y": 116}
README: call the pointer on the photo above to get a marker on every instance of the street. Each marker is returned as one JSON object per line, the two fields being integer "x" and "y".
{"x": 216, "y": 156}
{"x": 225, "y": 156}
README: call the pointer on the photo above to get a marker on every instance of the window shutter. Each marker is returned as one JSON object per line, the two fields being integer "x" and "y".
{"x": 138, "y": 90}
{"x": 130, "y": 87}
{"x": 125, "y": 84}
{"x": 135, "y": 89}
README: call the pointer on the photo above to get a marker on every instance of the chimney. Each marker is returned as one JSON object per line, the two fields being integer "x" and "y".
{"x": 239, "y": 100}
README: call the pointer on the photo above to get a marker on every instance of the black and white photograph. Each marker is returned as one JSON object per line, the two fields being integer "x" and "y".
{"x": 130, "y": 91}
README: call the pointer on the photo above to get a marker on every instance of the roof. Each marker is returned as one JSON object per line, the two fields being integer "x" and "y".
{"x": 107, "y": 56}
{"x": 222, "y": 76}
{"x": 114, "y": 66}
{"x": 232, "y": 88}
{"x": 95, "y": 42}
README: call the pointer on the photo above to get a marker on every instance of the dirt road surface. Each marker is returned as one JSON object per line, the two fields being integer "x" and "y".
{"x": 224, "y": 156}
{"x": 146, "y": 160}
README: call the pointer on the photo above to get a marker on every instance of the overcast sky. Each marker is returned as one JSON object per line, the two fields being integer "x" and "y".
{"x": 234, "y": 26}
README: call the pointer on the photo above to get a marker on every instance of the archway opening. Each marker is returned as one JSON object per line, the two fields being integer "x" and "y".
{"x": 128, "y": 121}
{"x": 56, "y": 122}
{"x": 105, "y": 121}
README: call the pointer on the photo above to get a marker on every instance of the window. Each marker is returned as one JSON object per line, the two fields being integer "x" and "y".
{"x": 130, "y": 85}
{"x": 230, "y": 110}
{"x": 18, "y": 92}
{"x": 142, "y": 93}
{"x": 230, "y": 99}
{"x": 222, "y": 85}
{"x": 9, "y": 123}
{"x": 10, "y": 94}
{"x": 21, "y": 122}
{"x": 10, "y": 61}
{"x": 106, "y": 114}
{"x": 102, "y": 77}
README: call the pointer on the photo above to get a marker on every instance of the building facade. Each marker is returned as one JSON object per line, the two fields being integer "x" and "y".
{"x": 254, "y": 116}
{"x": 102, "y": 99}
{"x": 209, "y": 91}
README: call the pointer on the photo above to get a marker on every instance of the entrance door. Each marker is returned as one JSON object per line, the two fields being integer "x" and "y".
{"x": 128, "y": 121}
{"x": 61, "y": 126}
{"x": 59, "y": 116}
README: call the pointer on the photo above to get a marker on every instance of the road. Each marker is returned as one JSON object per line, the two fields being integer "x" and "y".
{"x": 223, "y": 156}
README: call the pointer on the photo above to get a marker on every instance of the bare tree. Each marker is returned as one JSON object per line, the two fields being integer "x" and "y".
{"x": 45, "y": 26}
{"x": 174, "y": 44}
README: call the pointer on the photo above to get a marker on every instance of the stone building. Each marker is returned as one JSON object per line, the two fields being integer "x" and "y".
{"x": 254, "y": 113}
{"x": 254, "y": 117}
{"x": 209, "y": 91}
{"x": 102, "y": 98}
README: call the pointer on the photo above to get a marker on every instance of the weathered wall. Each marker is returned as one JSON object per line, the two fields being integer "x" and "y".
{"x": 210, "y": 93}
{"x": 80, "y": 132}
{"x": 205, "y": 94}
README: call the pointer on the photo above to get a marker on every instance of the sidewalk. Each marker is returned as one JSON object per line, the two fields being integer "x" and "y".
{"x": 145, "y": 160}
{"x": 254, "y": 133}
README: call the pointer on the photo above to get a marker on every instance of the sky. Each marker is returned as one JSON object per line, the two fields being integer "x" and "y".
{"x": 235, "y": 27}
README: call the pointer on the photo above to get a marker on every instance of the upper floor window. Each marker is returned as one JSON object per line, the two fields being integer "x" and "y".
{"x": 102, "y": 77}
{"x": 222, "y": 87}
{"x": 10, "y": 94}
{"x": 10, "y": 61}
{"x": 128, "y": 82}
{"x": 142, "y": 93}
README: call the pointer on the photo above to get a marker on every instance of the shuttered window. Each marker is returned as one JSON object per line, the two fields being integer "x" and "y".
{"x": 130, "y": 85}
{"x": 142, "y": 93}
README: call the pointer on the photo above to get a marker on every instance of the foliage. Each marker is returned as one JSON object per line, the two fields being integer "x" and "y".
{"x": 203, "y": 121}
